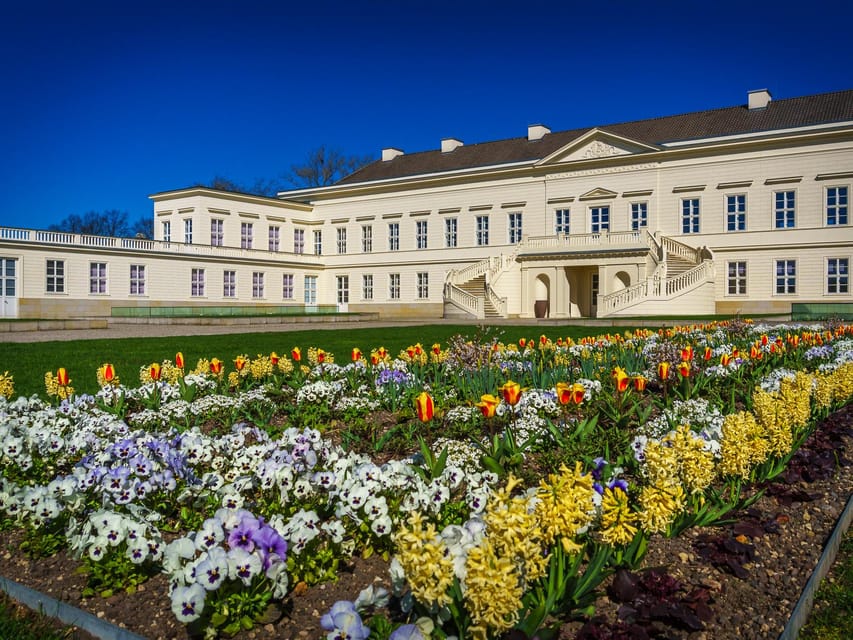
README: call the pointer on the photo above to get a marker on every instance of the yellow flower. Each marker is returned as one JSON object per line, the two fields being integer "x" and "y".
{"x": 492, "y": 589}
{"x": 564, "y": 506}
{"x": 425, "y": 560}
{"x": 743, "y": 445}
{"x": 658, "y": 507}
{"x": 618, "y": 524}
{"x": 7, "y": 385}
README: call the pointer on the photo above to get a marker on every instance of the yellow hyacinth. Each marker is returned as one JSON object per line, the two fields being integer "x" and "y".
{"x": 425, "y": 560}
{"x": 564, "y": 506}
{"x": 492, "y": 590}
{"x": 618, "y": 523}
{"x": 743, "y": 445}
{"x": 7, "y": 385}
{"x": 658, "y": 507}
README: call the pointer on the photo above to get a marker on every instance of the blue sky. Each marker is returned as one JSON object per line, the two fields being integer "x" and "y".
{"x": 105, "y": 103}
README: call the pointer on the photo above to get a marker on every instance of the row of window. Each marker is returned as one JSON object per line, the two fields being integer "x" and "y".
{"x": 55, "y": 283}
{"x": 784, "y": 217}
{"x": 785, "y": 277}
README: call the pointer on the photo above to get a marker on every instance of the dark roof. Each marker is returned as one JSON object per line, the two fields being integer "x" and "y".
{"x": 779, "y": 114}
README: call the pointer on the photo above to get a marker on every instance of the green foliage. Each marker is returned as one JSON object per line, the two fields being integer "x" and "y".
{"x": 114, "y": 572}
{"x": 831, "y": 619}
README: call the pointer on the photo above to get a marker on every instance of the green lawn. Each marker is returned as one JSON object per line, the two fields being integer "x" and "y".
{"x": 832, "y": 615}
{"x": 29, "y": 362}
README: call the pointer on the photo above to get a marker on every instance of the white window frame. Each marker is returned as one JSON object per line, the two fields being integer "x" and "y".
{"x": 393, "y": 236}
{"x": 287, "y": 283}
{"x": 217, "y": 232}
{"x": 246, "y": 235}
{"x": 299, "y": 241}
{"x": 837, "y": 282}
{"x": 188, "y": 230}
{"x": 787, "y": 282}
{"x": 310, "y": 290}
{"x": 735, "y": 212}
{"x": 421, "y": 234}
{"x": 562, "y": 221}
{"x": 166, "y": 227}
{"x": 55, "y": 276}
{"x": 137, "y": 280}
{"x": 257, "y": 285}
{"x": 514, "y": 227}
{"x": 342, "y": 239}
{"x": 318, "y": 242}
{"x": 837, "y": 199}
{"x": 785, "y": 210}
{"x": 691, "y": 215}
{"x": 423, "y": 285}
{"x": 342, "y": 286}
{"x": 229, "y": 283}
{"x": 451, "y": 227}
{"x": 98, "y": 278}
{"x": 599, "y": 218}
{"x": 482, "y": 231}
{"x": 639, "y": 215}
{"x": 274, "y": 238}
{"x": 736, "y": 277}
{"x": 197, "y": 283}
{"x": 367, "y": 238}
{"x": 367, "y": 286}
{"x": 394, "y": 286}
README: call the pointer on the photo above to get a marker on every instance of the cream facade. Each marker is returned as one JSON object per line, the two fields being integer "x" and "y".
{"x": 743, "y": 210}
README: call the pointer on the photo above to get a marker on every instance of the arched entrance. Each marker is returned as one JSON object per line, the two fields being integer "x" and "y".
{"x": 621, "y": 280}
{"x": 542, "y": 296}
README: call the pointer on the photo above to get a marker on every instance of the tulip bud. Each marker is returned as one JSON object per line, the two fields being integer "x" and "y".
{"x": 424, "y": 406}
{"x": 216, "y": 366}
{"x": 621, "y": 378}
{"x": 296, "y": 354}
{"x": 663, "y": 370}
{"x": 356, "y": 354}
{"x": 684, "y": 369}
{"x": 179, "y": 360}
{"x": 274, "y": 358}
{"x": 108, "y": 373}
{"x": 640, "y": 383}
{"x": 488, "y": 405}
{"x": 62, "y": 377}
{"x": 154, "y": 371}
{"x": 511, "y": 392}
{"x": 240, "y": 363}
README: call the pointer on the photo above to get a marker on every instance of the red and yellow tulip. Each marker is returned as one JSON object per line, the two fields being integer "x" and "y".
{"x": 216, "y": 366}
{"x": 424, "y": 406}
{"x": 179, "y": 360}
{"x": 663, "y": 370}
{"x": 488, "y": 404}
{"x": 108, "y": 372}
{"x": 154, "y": 371}
{"x": 240, "y": 363}
{"x": 355, "y": 354}
{"x": 640, "y": 383}
{"x": 687, "y": 353}
{"x": 62, "y": 377}
{"x": 684, "y": 369}
{"x": 511, "y": 392}
{"x": 274, "y": 358}
{"x": 620, "y": 378}
{"x": 296, "y": 354}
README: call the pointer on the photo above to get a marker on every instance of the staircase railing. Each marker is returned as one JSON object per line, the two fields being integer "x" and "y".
{"x": 688, "y": 279}
{"x": 651, "y": 287}
{"x": 497, "y": 302}
{"x": 603, "y": 239}
{"x": 681, "y": 250}
{"x": 464, "y": 300}
{"x": 458, "y": 276}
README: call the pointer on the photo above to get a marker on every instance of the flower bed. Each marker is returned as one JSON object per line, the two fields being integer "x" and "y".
{"x": 504, "y": 485}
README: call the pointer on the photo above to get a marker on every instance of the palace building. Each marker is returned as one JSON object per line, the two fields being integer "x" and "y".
{"x": 743, "y": 209}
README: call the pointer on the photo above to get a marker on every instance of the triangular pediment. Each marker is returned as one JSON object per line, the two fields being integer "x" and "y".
{"x": 597, "y": 143}
{"x": 599, "y": 193}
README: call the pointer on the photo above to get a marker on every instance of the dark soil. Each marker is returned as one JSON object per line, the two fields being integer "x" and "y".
{"x": 749, "y": 574}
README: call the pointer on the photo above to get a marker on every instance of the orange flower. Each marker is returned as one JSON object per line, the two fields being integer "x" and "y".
{"x": 240, "y": 363}
{"x": 296, "y": 354}
{"x": 436, "y": 348}
{"x": 154, "y": 371}
{"x": 708, "y": 353}
{"x": 382, "y": 352}
{"x": 424, "y": 406}
{"x": 108, "y": 372}
{"x": 488, "y": 404}
{"x": 640, "y": 383}
{"x": 564, "y": 392}
{"x": 62, "y": 377}
{"x": 374, "y": 359}
{"x": 543, "y": 340}
{"x": 511, "y": 392}
{"x": 687, "y": 353}
{"x": 274, "y": 358}
{"x": 578, "y": 393}
{"x": 684, "y": 369}
{"x": 216, "y": 366}
{"x": 356, "y": 354}
{"x": 663, "y": 370}
{"x": 522, "y": 342}
{"x": 764, "y": 339}
{"x": 755, "y": 353}
{"x": 321, "y": 356}
{"x": 418, "y": 349}
{"x": 410, "y": 351}
{"x": 621, "y": 378}
{"x": 725, "y": 359}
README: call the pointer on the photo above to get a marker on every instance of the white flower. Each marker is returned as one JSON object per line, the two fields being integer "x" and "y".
{"x": 243, "y": 565}
{"x": 188, "y": 602}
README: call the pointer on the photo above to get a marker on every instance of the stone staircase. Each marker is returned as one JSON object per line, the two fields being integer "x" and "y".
{"x": 476, "y": 287}
{"x": 676, "y": 265}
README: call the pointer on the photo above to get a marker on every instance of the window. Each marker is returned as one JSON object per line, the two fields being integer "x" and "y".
{"x": 639, "y": 215}
{"x": 594, "y": 289}
{"x": 367, "y": 238}
{"x": 299, "y": 240}
{"x": 188, "y": 230}
{"x": 393, "y": 236}
{"x": 561, "y": 221}
{"x": 137, "y": 279}
{"x": 482, "y": 231}
{"x": 514, "y": 228}
{"x": 343, "y": 289}
{"x": 318, "y": 242}
{"x": 217, "y": 235}
{"x": 784, "y": 202}
{"x": 421, "y": 234}
{"x": 97, "y": 277}
{"x": 450, "y": 225}
{"x": 310, "y": 289}
{"x": 394, "y": 286}
{"x": 736, "y": 212}
{"x": 836, "y": 206}
{"x": 342, "y": 240}
{"x": 245, "y": 235}
{"x": 786, "y": 276}
{"x": 600, "y": 219}
{"x": 736, "y": 279}
{"x": 367, "y": 287}
{"x": 197, "y": 283}
{"x": 423, "y": 285}
{"x": 55, "y": 276}
{"x": 167, "y": 231}
{"x": 257, "y": 284}
{"x": 274, "y": 238}
{"x": 287, "y": 286}
{"x": 838, "y": 275}
{"x": 690, "y": 215}
{"x": 229, "y": 284}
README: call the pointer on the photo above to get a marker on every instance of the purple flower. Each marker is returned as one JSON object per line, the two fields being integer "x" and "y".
{"x": 407, "y": 632}
{"x": 271, "y": 545}
{"x": 243, "y": 535}
{"x": 343, "y": 621}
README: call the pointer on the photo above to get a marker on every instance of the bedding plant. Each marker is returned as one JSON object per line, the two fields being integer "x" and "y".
{"x": 502, "y": 483}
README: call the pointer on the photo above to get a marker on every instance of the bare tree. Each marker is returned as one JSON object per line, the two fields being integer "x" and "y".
{"x": 261, "y": 186}
{"x": 103, "y": 223}
{"x": 143, "y": 227}
{"x": 324, "y": 167}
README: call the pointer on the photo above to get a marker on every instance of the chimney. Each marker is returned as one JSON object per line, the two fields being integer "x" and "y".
{"x": 759, "y": 99}
{"x": 537, "y": 132}
{"x": 389, "y": 153}
{"x": 449, "y": 144}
